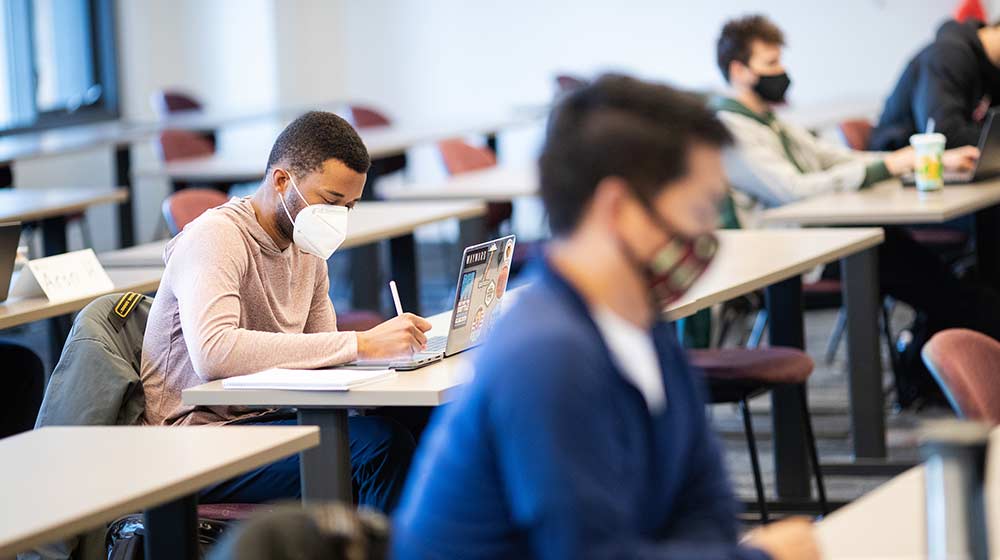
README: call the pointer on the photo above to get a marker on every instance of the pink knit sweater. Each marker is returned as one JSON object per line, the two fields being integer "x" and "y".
{"x": 232, "y": 303}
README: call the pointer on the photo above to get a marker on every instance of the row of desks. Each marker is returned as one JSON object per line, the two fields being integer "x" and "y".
{"x": 382, "y": 142}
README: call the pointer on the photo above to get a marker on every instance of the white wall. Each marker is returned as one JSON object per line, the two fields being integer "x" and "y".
{"x": 455, "y": 55}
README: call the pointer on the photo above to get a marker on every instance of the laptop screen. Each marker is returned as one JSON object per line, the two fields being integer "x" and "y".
{"x": 482, "y": 282}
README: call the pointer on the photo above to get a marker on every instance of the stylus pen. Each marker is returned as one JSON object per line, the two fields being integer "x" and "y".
{"x": 395, "y": 297}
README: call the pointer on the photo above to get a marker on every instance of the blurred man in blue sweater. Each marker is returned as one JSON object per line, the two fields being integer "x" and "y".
{"x": 583, "y": 434}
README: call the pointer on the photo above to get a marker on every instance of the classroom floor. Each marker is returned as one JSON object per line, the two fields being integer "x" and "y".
{"x": 827, "y": 386}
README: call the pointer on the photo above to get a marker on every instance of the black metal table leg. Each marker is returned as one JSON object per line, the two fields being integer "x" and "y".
{"x": 172, "y": 530}
{"x": 54, "y": 243}
{"x": 126, "y": 214}
{"x": 366, "y": 278}
{"x": 472, "y": 231}
{"x": 864, "y": 362}
{"x": 791, "y": 463}
{"x": 988, "y": 245}
{"x": 326, "y": 470}
{"x": 403, "y": 253}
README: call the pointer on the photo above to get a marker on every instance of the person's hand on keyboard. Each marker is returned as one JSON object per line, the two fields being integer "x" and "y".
{"x": 397, "y": 337}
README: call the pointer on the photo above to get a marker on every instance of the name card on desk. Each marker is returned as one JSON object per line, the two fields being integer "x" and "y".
{"x": 63, "y": 277}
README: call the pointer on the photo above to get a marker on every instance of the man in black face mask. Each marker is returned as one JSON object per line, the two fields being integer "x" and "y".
{"x": 776, "y": 162}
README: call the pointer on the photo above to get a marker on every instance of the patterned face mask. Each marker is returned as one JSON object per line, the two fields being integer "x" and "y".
{"x": 674, "y": 268}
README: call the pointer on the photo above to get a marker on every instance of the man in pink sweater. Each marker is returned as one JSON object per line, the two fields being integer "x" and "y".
{"x": 246, "y": 289}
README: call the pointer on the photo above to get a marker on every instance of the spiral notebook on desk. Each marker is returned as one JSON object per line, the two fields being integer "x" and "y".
{"x": 337, "y": 379}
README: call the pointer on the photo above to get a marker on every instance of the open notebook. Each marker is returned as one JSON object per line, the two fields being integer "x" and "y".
{"x": 308, "y": 379}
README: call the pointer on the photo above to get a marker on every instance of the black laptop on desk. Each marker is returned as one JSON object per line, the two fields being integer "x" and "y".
{"x": 10, "y": 236}
{"x": 988, "y": 164}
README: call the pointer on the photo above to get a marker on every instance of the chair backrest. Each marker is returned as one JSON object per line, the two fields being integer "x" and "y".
{"x": 857, "y": 133}
{"x": 965, "y": 364}
{"x": 184, "y": 144}
{"x": 566, "y": 83}
{"x": 96, "y": 381}
{"x": 168, "y": 101}
{"x": 182, "y": 207}
{"x": 365, "y": 117}
{"x": 462, "y": 157}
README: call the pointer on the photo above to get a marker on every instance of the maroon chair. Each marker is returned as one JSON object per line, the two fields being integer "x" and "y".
{"x": 856, "y": 132}
{"x": 363, "y": 117}
{"x": 183, "y": 144}
{"x": 735, "y": 375}
{"x": 461, "y": 157}
{"x": 965, "y": 365}
{"x": 367, "y": 117}
{"x": 182, "y": 207}
{"x": 168, "y": 102}
{"x": 567, "y": 83}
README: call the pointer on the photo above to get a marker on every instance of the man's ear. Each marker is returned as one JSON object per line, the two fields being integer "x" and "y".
{"x": 279, "y": 179}
{"x": 739, "y": 73}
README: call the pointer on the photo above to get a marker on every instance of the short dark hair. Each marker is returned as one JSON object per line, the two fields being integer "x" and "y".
{"x": 314, "y": 138}
{"x": 737, "y": 38}
{"x": 619, "y": 127}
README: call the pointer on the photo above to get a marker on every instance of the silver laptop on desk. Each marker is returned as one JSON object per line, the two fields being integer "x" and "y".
{"x": 482, "y": 282}
{"x": 988, "y": 164}
{"x": 10, "y": 236}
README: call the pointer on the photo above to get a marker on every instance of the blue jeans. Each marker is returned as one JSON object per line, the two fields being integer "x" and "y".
{"x": 381, "y": 450}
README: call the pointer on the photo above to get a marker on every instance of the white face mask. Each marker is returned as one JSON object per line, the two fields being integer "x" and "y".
{"x": 318, "y": 229}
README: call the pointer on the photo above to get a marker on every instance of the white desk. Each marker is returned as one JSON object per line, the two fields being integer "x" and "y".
{"x": 890, "y": 521}
{"x": 50, "y": 207}
{"x": 61, "y": 481}
{"x": 818, "y": 116}
{"x": 496, "y": 184}
{"x": 738, "y": 270}
{"x": 887, "y": 203}
{"x": 18, "y": 311}
{"x": 750, "y": 260}
{"x": 326, "y": 470}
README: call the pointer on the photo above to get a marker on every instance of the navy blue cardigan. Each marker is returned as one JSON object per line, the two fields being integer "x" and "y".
{"x": 550, "y": 453}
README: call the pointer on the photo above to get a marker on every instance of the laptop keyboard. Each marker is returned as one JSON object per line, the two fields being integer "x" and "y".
{"x": 435, "y": 344}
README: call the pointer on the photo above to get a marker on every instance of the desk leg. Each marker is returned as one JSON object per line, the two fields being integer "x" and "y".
{"x": 54, "y": 243}
{"x": 791, "y": 462}
{"x": 861, "y": 294}
{"x": 403, "y": 250}
{"x": 472, "y": 231}
{"x": 366, "y": 277}
{"x": 123, "y": 177}
{"x": 326, "y": 470}
{"x": 988, "y": 244}
{"x": 172, "y": 530}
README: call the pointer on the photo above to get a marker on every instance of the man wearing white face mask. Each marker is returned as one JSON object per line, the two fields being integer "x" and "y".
{"x": 246, "y": 289}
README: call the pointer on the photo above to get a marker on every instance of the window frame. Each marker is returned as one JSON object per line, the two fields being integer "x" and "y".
{"x": 103, "y": 28}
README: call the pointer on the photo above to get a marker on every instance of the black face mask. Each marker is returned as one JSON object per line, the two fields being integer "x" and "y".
{"x": 772, "y": 88}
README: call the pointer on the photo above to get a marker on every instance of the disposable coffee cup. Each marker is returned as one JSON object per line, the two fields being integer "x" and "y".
{"x": 929, "y": 151}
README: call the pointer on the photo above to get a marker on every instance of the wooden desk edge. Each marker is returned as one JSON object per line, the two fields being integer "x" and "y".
{"x": 102, "y": 515}
{"x": 70, "y": 306}
{"x": 876, "y": 237}
{"x": 118, "y": 194}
